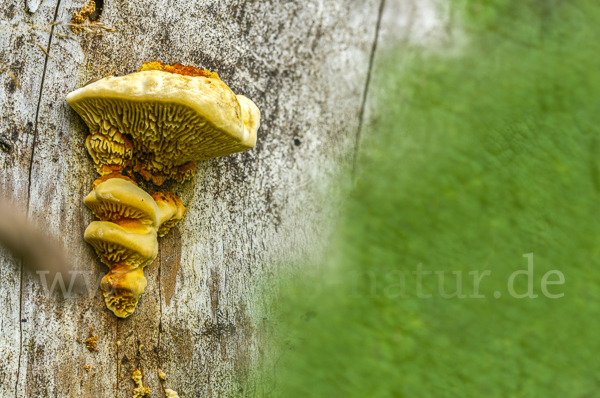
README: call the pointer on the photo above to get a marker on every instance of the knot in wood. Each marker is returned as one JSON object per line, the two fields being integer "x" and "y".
{"x": 5, "y": 144}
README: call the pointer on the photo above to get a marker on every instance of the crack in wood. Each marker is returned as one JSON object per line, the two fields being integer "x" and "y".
{"x": 366, "y": 90}
{"x": 29, "y": 197}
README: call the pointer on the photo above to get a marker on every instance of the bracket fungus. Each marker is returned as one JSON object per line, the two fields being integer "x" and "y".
{"x": 162, "y": 119}
{"x": 125, "y": 237}
{"x": 158, "y": 122}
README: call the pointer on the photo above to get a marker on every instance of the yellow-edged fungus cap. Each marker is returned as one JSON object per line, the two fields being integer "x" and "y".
{"x": 134, "y": 246}
{"x": 171, "y": 211}
{"x": 171, "y": 119}
{"x": 118, "y": 199}
{"x": 122, "y": 288}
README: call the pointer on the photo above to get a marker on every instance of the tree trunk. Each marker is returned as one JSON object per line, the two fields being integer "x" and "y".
{"x": 251, "y": 216}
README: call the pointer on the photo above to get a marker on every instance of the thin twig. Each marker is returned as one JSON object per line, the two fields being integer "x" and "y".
{"x": 44, "y": 50}
{"x": 12, "y": 75}
{"x": 90, "y": 27}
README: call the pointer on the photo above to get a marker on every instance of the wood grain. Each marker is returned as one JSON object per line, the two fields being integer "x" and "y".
{"x": 22, "y": 66}
{"x": 305, "y": 64}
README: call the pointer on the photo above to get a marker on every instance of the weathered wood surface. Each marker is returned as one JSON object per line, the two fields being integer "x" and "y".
{"x": 19, "y": 55}
{"x": 305, "y": 63}
{"x": 405, "y": 25}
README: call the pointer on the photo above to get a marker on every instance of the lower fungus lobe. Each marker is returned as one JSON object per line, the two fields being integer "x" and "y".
{"x": 117, "y": 213}
{"x": 126, "y": 238}
{"x": 112, "y": 254}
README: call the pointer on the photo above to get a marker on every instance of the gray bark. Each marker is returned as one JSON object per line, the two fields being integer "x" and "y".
{"x": 251, "y": 216}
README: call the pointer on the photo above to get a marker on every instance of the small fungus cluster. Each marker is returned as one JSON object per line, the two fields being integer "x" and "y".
{"x": 79, "y": 17}
{"x": 157, "y": 122}
{"x": 140, "y": 391}
{"x": 91, "y": 342}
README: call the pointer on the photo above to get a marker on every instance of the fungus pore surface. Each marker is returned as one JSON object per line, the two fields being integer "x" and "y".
{"x": 139, "y": 391}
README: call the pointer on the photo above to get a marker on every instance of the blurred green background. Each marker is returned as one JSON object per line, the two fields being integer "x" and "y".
{"x": 476, "y": 157}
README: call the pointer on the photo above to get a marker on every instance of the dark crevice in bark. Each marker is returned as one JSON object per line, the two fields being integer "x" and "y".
{"x": 37, "y": 111}
{"x": 118, "y": 360}
{"x": 35, "y": 134}
{"x": 160, "y": 304}
{"x": 20, "y": 330}
{"x": 366, "y": 90}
